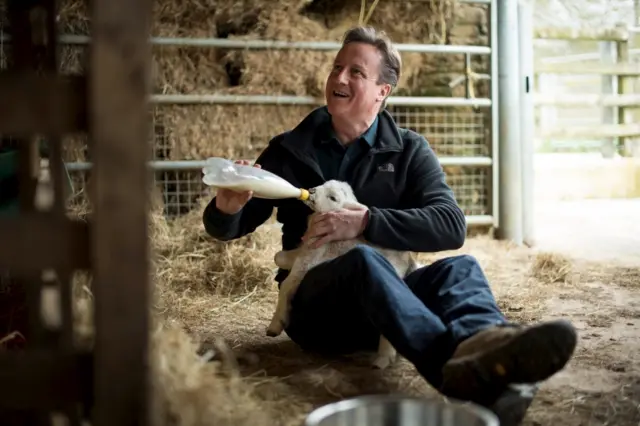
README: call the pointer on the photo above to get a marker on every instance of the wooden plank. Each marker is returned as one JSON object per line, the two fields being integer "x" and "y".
{"x": 581, "y": 69}
{"x": 119, "y": 89}
{"x": 44, "y": 379}
{"x": 598, "y": 131}
{"x": 586, "y": 100}
{"x": 48, "y": 104}
{"x": 36, "y": 241}
{"x": 591, "y": 34}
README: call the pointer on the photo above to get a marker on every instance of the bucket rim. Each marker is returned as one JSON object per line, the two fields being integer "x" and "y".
{"x": 320, "y": 413}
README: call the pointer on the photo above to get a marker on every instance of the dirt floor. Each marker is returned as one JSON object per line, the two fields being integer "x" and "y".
{"x": 601, "y": 386}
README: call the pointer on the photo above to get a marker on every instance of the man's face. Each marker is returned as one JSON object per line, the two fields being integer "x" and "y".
{"x": 352, "y": 91}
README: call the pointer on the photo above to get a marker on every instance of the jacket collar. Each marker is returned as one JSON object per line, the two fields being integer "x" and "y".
{"x": 300, "y": 140}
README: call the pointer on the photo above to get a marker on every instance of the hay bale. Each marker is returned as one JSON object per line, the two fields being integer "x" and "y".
{"x": 197, "y": 132}
{"x": 193, "y": 392}
{"x": 188, "y": 267}
{"x": 552, "y": 268}
{"x": 242, "y": 131}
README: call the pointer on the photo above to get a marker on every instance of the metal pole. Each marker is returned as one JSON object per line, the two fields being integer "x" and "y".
{"x": 510, "y": 181}
{"x": 279, "y": 44}
{"x": 199, "y": 164}
{"x": 495, "y": 116}
{"x": 525, "y": 21}
{"x": 310, "y": 100}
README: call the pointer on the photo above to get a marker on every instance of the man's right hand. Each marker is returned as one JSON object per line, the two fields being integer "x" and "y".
{"x": 231, "y": 202}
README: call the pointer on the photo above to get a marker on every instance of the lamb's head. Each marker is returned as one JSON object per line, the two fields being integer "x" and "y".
{"x": 331, "y": 195}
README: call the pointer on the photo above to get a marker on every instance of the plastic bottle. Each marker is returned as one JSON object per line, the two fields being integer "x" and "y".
{"x": 222, "y": 173}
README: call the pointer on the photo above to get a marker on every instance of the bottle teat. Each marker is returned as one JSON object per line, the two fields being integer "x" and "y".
{"x": 304, "y": 194}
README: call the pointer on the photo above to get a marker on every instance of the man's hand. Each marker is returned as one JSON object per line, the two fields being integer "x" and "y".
{"x": 343, "y": 224}
{"x": 231, "y": 202}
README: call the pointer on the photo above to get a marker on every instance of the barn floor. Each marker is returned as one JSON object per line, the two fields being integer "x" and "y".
{"x": 601, "y": 386}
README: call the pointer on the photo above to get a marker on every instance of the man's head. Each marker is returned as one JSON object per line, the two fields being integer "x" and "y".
{"x": 364, "y": 73}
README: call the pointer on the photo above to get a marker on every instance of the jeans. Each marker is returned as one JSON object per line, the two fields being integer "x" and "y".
{"x": 344, "y": 305}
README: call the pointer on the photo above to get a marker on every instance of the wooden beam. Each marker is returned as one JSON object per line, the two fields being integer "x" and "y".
{"x": 601, "y": 131}
{"x": 590, "y": 34}
{"x": 44, "y": 379}
{"x": 42, "y": 104}
{"x": 581, "y": 69}
{"x": 586, "y": 100}
{"x": 37, "y": 241}
{"x": 120, "y": 55}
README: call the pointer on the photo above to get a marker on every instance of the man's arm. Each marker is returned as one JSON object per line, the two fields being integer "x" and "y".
{"x": 226, "y": 227}
{"x": 437, "y": 222}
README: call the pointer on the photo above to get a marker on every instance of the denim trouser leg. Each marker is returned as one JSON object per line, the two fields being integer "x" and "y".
{"x": 344, "y": 305}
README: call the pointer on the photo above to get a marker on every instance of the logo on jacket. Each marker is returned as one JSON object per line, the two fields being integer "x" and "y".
{"x": 388, "y": 167}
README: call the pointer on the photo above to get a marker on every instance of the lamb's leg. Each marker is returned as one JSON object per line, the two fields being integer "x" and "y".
{"x": 285, "y": 258}
{"x": 280, "y": 317}
{"x": 386, "y": 354}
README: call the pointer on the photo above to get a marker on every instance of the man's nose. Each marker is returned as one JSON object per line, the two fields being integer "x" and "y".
{"x": 341, "y": 77}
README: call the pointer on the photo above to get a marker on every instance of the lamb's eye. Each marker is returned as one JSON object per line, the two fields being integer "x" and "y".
{"x": 332, "y": 198}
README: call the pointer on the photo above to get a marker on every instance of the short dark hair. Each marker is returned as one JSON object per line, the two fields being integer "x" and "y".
{"x": 391, "y": 65}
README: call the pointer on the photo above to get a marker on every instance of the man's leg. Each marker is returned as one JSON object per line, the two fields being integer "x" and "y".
{"x": 496, "y": 364}
{"x": 444, "y": 316}
{"x": 344, "y": 305}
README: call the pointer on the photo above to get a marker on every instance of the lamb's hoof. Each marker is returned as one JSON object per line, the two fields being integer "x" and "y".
{"x": 272, "y": 333}
{"x": 275, "y": 329}
{"x": 382, "y": 362}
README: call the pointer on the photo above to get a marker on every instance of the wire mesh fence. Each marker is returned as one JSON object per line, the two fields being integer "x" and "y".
{"x": 451, "y": 132}
{"x": 195, "y": 132}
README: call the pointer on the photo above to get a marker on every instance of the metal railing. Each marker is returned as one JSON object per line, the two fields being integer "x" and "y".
{"x": 222, "y": 43}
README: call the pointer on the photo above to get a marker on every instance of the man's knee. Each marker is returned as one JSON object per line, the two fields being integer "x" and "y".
{"x": 465, "y": 260}
{"x": 361, "y": 253}
{"x": 459, "y": 262}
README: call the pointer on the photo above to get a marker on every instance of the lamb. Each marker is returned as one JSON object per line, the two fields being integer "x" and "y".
{"x": 330, "y": 196}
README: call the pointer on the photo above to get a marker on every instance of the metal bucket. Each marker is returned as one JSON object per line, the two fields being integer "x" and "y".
{"x": 392, "y": 410}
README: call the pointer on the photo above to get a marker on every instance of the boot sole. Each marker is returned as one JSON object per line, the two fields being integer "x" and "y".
{"x": 512, "y": 405}
{"x": 530, "y": 357}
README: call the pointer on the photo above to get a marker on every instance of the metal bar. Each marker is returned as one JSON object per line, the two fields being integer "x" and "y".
{"x": 494, "y": 116}
{"x": 579, "y": 57}
{"x": 509, "y": 94}
{"x": 630, "y": 70}
{"x": 591, "y": 131}
{"x": 310, "y": 100}
{"x": 527, "y": 125}
{"x": 467, "y": 77}
{"x": 461, "y": 79}
{"x": 479, "y": 220}
{"x": 278, "y": 44}
{"x": 586, "y": 100}
{"x": 199, "y": 164}
{"x": 618, "y": 33}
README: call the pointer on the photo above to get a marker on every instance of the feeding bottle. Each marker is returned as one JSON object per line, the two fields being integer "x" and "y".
{"x": 222, "y": 173}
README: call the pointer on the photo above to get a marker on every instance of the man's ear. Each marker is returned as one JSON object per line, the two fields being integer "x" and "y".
{"x": 385, "y": 90}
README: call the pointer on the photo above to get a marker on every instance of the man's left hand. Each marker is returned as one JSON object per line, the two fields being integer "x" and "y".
{"x": 343, "y": 224}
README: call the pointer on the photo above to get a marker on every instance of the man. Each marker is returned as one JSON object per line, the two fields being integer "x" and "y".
{"x": 443, "y": 318}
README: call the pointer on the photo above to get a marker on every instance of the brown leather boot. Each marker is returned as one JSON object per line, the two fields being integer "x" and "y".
{"x": 485, "y": 365}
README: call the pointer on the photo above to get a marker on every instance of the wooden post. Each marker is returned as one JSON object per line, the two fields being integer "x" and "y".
{"x": 629, "y": 146}
{"x": 118, "y": 92}
{"x": 609, "y": 87}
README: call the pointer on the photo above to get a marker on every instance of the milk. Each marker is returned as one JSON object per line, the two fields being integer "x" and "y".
{"x": 222, "y": 173}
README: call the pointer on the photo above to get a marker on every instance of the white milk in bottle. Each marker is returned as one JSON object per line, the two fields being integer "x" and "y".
{"x": 222, "y": 173}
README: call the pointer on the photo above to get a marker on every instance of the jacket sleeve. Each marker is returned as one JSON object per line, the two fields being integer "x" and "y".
{"x": 435, "y": 222}
{"x": 227, "y": 227}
